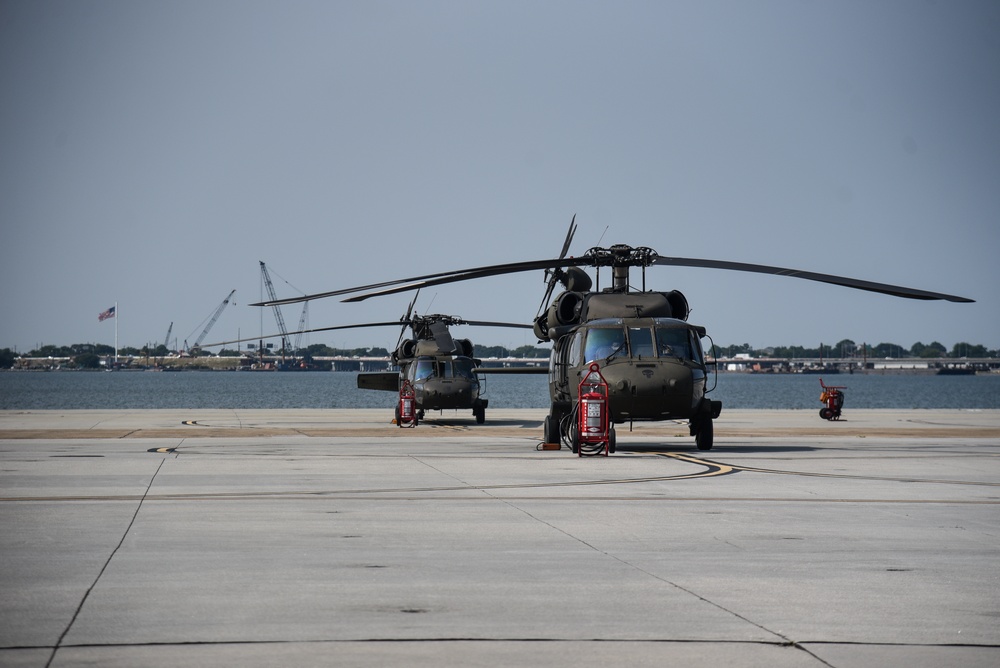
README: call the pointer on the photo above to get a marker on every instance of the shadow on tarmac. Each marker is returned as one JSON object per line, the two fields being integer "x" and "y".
{"x": 459, "y": 422}
{"x": 690, "y": 447}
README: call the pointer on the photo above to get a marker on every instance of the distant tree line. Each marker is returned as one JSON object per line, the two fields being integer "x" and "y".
{"x": 89, "y": 355}
{"x": 847, "y": 348}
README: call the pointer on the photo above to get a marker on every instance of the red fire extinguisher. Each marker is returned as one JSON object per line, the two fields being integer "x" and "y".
{"x": 592, "y": 431}
{"x": 406, "y": 409}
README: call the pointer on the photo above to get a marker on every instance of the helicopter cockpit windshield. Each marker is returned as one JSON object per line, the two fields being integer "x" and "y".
{"x": 605, "y": 343}
{"x": 673, "y": 342}
{"x": 662, "y": 338}
{"x": 425, "y": 368}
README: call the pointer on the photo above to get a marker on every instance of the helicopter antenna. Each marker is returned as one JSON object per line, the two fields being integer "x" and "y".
{"x": 606, "y": 227}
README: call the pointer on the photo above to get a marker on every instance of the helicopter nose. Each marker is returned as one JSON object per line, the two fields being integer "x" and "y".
{"x": 650, "y": 392}
{"x": 446, "y": 394}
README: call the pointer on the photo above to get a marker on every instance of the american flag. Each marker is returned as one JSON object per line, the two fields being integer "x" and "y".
{"x": 104, "y": 315}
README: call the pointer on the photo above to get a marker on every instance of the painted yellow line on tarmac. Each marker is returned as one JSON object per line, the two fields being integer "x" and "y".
{"x": 730, "y": 468}
{"x": 714, "y": 468}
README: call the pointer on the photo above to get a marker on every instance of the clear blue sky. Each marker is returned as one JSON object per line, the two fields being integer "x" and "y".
{"x": 153, "y": 152}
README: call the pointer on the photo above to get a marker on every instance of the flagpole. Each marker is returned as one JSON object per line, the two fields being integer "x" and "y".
{"x": 116, "y": 334}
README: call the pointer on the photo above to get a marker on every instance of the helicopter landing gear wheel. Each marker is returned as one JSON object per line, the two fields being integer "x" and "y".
{"x": 612, "y": 440}
{"x": 399, "y": 423}
{"x": 574, "y": 439}
{"x": 480, "y": 413}
{"x": 704, "y": 435}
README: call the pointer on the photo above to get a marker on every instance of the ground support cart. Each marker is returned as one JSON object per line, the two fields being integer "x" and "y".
{"x": 833, "y": 397}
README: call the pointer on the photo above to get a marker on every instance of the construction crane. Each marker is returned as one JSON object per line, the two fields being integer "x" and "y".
{"x": 215, "y": 316}
{"x": 166, "y": 339}
{"x": 277, "y": 309}
{"x": 303, "y": 325}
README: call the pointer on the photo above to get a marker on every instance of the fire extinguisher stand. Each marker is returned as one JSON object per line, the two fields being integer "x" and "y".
{"x": 592, "y": 430}
{"x": 406, "y": 409}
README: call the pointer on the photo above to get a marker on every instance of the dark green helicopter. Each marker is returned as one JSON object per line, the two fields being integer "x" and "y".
{"x": 441, "y": 369}
{"x": 651, "y": 357}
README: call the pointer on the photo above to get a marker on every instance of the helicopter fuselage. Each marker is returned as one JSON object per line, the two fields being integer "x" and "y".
{"x": 655, "y": 367}
{"x": 439, "y": 382}
{"x": 443, "y": 382}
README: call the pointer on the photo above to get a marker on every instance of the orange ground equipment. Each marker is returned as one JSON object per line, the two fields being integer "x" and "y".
{"x": 833, "y": 397}
{"x": 593, "y": 435}
{"x": 406, "y": 409}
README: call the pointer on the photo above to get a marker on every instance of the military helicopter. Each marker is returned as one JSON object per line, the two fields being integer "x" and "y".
{"x": 441, "y": 369}
{"x": 651, "y": 357}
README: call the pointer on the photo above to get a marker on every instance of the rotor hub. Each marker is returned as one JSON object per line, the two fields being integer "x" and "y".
{"x": 620, "y": 258}
{"x": 621, "y": 255}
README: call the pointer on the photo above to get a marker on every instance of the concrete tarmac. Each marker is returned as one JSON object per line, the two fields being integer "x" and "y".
{"x": 333, "y": 537}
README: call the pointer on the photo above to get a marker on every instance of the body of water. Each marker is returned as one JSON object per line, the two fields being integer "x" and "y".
{"x": 65, "y": 390}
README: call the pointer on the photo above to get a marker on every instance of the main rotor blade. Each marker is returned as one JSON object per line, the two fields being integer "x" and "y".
{"x": 336, "y": 293}
{"x": 469, "y": 274}
{"x": 406, "y": 321}
{"x": 394, "y": 323}
{"x": 418, "y": 281}
{"x": 484, "y": 323}
{"x": 858, "y": 284}
{"x": 441, "y": 278}
{"x": 551, "y": 282}
{"x": 409, "y": 309}
{"x": 569, "y": 237}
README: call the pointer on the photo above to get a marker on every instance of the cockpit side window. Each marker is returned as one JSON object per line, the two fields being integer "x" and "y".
{"x": 463, "y": 368}
{"x": 696, "y": 352}
{"x": 673, "y": 342}
{"x": 641, "y": 341}
{"x": 575, "y": 348}
{"x": 604, "y": 343}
